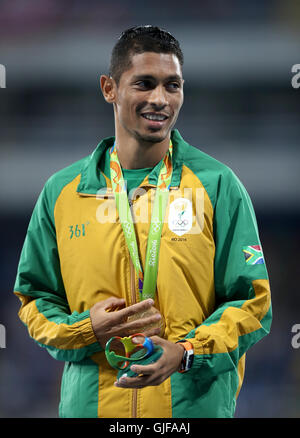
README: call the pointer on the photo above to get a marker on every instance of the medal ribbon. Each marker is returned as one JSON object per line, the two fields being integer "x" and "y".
{"x": 147, "y": 279}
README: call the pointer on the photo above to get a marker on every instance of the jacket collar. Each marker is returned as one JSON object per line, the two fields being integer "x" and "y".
{"x": 92, "y": 179}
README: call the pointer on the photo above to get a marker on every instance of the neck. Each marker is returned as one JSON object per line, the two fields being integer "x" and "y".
{"x": 139, "y": 154}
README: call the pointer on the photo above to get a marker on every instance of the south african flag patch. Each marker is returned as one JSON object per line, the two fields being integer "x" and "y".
{"x": 253, "y": 255}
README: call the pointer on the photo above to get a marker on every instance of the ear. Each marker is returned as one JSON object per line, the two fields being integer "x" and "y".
{"x": 108, "y": 87}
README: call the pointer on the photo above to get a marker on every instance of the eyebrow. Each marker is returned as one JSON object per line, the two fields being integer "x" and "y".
{"x": 150, "y": 77}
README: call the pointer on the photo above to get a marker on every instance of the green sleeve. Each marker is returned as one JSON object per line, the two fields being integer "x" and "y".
{"x": 242, "y": 314}
{"x": 39, "y": 285}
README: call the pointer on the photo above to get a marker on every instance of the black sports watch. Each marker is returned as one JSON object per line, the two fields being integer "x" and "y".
{"x": 188, "y": 356}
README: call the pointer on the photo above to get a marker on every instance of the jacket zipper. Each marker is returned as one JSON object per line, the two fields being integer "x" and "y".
{"x": 133, "y": 301}
{"x": 132, "y": 284}
{"x": 132, "y": 287}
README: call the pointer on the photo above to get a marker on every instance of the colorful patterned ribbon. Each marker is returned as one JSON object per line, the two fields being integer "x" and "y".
{"x": 147, "y": 279}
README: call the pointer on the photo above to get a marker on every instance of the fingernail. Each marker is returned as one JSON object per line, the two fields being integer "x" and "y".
{"x": 150, "y": 301}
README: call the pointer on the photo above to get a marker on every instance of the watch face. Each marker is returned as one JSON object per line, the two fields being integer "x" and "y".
{"x": 188, "y": 356}
{"x": 188, "y": 359}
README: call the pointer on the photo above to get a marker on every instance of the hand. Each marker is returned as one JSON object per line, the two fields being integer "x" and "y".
{"x": 154, "y": 374}
{"x": 107, "y": 321}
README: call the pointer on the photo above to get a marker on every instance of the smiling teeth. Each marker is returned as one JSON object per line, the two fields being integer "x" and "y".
{"x": 154, "y": 117}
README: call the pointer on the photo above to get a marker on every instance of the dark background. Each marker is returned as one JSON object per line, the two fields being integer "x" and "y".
{"x": 240, "y": 107}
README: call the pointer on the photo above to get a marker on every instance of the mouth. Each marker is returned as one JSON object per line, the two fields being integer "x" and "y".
{"x": 155, "y": 119}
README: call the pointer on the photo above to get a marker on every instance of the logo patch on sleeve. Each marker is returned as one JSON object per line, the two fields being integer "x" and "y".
{"x": 253, "y": 255}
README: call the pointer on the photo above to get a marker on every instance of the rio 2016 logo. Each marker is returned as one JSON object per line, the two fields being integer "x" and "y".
{"x": 2, "y": 76}
{"x": 296, "y": 77}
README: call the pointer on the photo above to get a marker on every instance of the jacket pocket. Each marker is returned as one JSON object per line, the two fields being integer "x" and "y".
{"x": 79, "y": 390}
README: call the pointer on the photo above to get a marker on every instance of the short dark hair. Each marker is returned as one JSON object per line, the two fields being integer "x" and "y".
{"x": 140, "y": 39}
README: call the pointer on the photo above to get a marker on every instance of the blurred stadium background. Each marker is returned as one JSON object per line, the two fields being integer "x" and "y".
{"x": 240, "y": 107}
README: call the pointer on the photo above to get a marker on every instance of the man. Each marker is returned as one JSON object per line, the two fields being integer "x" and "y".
{"x": 91, "y": 269}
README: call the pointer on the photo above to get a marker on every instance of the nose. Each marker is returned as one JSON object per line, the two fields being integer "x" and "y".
{"x": 158, "y": 97}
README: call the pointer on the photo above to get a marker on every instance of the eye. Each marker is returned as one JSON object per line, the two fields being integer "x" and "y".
{"x": 145, "y": 84}
{"x": 173, "y": 86}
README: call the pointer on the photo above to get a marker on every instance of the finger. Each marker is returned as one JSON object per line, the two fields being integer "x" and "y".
{"x": 136, "y": 308}
{"x": 158, "y": 340}
{"x": 145, "y": 370}
{"x": 141, "y": 323}
{"x": 133, "y": 382}
{"x": 112, "y": 303}
{"x": 152, "y": 331}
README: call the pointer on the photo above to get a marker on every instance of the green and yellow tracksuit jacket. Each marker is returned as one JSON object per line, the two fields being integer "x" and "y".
{"x": 212, "y": 284}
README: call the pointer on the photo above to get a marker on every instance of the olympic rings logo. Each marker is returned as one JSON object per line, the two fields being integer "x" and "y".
{"x": 156, "y": 226}
{"x": 127, "y": 227}
{"x": 182, "y": 223}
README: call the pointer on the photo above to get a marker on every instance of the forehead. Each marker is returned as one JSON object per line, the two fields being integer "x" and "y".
{"x": 154, "y": 64}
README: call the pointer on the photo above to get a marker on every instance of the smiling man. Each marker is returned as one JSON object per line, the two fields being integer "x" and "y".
{"x": 146, "y": 235}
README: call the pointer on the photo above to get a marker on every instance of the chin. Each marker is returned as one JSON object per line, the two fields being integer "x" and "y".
{"x": 154, "y": 137}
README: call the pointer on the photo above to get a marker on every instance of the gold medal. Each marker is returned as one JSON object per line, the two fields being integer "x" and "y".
{"x": 144, "y": 314}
